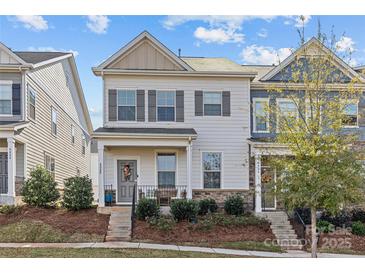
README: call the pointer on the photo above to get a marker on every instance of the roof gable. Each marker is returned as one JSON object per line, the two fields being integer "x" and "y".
{"x": 145, "y": 53}
{"x": 7, "y": 57}
{"x": 341, "y": 72}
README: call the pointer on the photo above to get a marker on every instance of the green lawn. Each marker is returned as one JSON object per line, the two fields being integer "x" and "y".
{"x": 27, "y": 231}
{"x": 102, "y": 253}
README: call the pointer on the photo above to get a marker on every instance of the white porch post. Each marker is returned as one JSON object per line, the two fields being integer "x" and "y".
{"x": 188, "y": 169}
{"x": 258, "y": 183}
{"x": 11, "y": 167}
{"x": 101, "y": 174}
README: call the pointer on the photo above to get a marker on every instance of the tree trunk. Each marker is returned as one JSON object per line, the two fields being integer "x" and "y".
{"x": 314, "y": 231}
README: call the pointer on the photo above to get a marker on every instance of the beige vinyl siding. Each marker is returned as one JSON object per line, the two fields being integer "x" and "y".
{"x": 215, "y": 133}
{"x": 19, "y": 158}
{"x": 146, "y": 159}
{"x": 39, "y": 137}
{"x": 16, "y": 77}
{"x": 5, "y": 58}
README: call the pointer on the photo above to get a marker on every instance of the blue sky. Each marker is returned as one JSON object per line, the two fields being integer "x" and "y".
{"x": 244, "y": 39}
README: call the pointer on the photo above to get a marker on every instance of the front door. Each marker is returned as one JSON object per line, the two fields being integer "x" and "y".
{"x": 127, "y": 178}
{"x": 3, "y": 172}
{"x": 268, "y": 197}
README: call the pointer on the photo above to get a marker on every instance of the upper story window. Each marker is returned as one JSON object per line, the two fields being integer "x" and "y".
{"x": 83, "y": 144}
{"x": 72, "y": 134}
{"x": 212, "y": 103}
{"x": 126, "y": 105}
{"x": 6, "y": 94}
{"x": 350, "y": 118}
{"x": 32, "y": 99}
{"x": 54, "y": 121}
{"x": 165, "y": 106}
{"x": 212, "y": 169}
{"x": 260, "y": 115}
{"x": 287, "y": 111}
{"x": 166, "y": 169}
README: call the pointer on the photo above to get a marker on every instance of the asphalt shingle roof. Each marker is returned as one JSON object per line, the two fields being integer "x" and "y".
{"x": 213, "y": 64}
{"x": 38, "y": 57}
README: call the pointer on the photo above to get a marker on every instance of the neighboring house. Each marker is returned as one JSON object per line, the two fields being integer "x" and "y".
{"x": 175, "y": 126}
{"x": 263, "y": 127}
{"x": 44, "y": 119}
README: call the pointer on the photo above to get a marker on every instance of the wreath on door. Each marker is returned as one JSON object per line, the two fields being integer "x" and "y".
{"x": 127, "y": 172}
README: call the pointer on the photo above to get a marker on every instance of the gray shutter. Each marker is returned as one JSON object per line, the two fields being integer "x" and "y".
{"x": 198, "y": 103}
{"x": 226, "y": 103}
{"x": 179, "y": 106}
{"x": 140, "y": 105}
{"x": 152, "y": 105}
{"x": 113, "y": 110}
{"x": 16, "y": 99}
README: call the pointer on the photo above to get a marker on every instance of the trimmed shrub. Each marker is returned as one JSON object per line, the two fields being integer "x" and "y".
{"x": 325, "y": 226}
{"x": 358, "y": 228}
{"x": 358, "y": 215}
{"x": 233, "y": 205}
{"x": 184, "y": 210}
{"x": 206, "y": 206}
{"x": 9, "y": 209}
{"x": 343, "y": 218}
{"x": 78, "y": 193}
{"x": 164, "y": 223}
{"x": 147, "y": 208}
{"x": 40, "y": 189}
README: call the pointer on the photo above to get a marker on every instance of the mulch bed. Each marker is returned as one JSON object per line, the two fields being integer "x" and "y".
{"x": 337, "y": 241}
{"x": 186, "y": 232}
{"x": 84, "y": 221}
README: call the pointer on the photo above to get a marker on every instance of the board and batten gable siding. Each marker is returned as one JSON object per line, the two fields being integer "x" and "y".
{"x": 40, "y": 140}
{"x": 58, "y": 81}
{"x": 226, "y": 134}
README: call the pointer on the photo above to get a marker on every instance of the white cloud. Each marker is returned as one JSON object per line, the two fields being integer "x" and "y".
{"x": 345, "y": 44}
{"x": 298, "y": 20}
{"x": 261, "y": 55}
{"x": 52, "y": 49}
{"x": 32, "y": 22}
{"x": 219, "y": 35}
{"x": 263, "y": 33}
{"x": 98, "y": 23}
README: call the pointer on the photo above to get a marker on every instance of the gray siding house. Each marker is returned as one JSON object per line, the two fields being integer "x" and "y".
{"x": 44, "y": 119}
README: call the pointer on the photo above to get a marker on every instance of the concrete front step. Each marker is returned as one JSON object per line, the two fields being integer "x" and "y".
{"x": 116, "y": 239}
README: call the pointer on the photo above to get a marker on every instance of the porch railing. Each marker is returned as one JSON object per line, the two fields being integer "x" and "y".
{"x": 163, "y": 194}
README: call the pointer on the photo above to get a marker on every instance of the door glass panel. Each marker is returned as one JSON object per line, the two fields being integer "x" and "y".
{"x": 268, "y": 178}
{"x": 128, "y": 171}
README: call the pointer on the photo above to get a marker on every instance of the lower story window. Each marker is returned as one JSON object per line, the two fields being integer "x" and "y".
{"x": 212, "y": 169}
{"x": 49, "y": 164}
{"x": 166, "y": 169}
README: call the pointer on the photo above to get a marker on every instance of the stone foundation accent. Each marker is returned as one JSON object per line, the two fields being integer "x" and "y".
{"x": 220, "y": 195}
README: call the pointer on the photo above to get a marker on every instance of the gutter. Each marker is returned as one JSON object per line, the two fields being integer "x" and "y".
{"x": 142, "y": 136}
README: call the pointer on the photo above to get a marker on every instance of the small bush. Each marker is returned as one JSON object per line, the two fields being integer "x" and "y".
{"x": 358, "y": 215}
{"x": 78, "y": 193}
{"x": 184, "y": 210}
{"x": 163, "y": 223}
{"x": 206, "y": 206}
{"x": 9, "y": 209}
{"x": 40, "y": 189}
{"x": 358, "y": 228}
{"x": 343, "y": 218}
{"x": 233, "y": 205}
{"x": 147, "y": 208}
{"x": 325, "y": 226}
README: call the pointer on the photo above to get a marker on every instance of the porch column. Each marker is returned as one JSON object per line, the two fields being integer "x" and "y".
{"x": 188, "y": 169}
{"x": 101, "y": 174}
{"x": 258, "y": 183}
{"x": 11, "y": 166}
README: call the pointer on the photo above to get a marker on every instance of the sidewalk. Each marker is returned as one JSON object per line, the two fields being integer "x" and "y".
{"x": 263, "y": 254}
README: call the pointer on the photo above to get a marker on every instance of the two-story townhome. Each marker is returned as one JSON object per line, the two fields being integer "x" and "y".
{"x": 176, "y": 126}
{"x": 263, "y": 122}
{"x": 44, "y": 119}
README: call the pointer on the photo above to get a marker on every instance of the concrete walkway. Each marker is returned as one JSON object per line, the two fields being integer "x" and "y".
{"x": 289, "y": 254}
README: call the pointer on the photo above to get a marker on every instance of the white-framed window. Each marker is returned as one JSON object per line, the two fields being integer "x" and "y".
{"x": 165, "y": 105}
{"x": 50, "y": 164}
{"x": 6, "y": 98}
{"x": 166, "y": 169}
{"x": 32, "y": 102}
{"x": 351, "y": 112}
{"x": 212, "y": 169}
{"x": 72, "y": 134}
{"x": 287, "y": 111}
{"x": 212, "y": 103}
{"x": 126, "y": 105}
{"x": 260, "y": 115}
{"x": 83, "y": 144}
{"x": 54, "y": 121}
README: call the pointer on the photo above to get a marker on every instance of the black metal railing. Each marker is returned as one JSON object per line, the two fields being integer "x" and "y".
{"x": 163, "y": 194}
{"x": 133, "y": 213}
{"x": 298, "y": 224}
